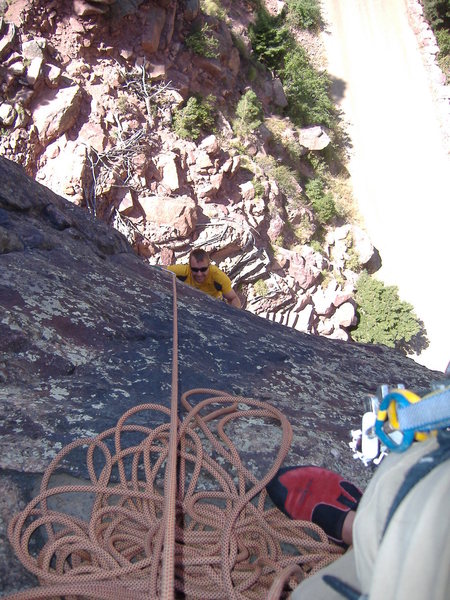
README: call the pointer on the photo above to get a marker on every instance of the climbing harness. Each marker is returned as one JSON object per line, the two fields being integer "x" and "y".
{"x": 395, "y": 417}
{"x": 210, "y": 536}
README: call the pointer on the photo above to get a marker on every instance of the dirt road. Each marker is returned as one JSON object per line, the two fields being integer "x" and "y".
{"x": 399, "y": 166}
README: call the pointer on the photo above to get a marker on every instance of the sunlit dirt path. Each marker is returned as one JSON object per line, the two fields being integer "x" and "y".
{"x": 399, "y": 165}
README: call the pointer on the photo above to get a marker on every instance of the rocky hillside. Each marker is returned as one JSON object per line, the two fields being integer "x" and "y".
{"x": 89, "y": 94}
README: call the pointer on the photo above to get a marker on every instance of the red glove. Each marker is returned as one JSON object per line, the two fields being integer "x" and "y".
{"x": 314, "y": 494}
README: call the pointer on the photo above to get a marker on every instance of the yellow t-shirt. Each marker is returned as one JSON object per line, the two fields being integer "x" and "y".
{"x": 215, "y": 284}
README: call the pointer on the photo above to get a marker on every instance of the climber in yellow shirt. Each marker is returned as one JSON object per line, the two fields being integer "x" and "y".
{"x": 204, "y": 276}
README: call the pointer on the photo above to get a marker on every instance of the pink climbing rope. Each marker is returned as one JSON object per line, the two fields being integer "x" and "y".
{"x": 170, "y": 483}
{"x": 209, "y": 536}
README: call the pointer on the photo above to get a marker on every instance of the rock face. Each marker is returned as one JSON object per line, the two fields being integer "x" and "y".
{"x": 86, "y": 333}
{"x": 88, "y": 95}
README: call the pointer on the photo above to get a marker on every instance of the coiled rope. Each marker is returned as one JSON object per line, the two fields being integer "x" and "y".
{"x": 209, "y": 536}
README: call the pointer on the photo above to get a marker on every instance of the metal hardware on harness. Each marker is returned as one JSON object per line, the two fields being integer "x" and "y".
{"x": 395, "y": 417}
{"x": 365, "y": 443}
{"x": 387, "y": 420}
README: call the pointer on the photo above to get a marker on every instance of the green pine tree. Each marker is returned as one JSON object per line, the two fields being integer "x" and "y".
{"x": 383, "y": 317}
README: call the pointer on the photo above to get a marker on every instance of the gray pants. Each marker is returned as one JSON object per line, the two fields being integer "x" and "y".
{"x": 411, "y": 560}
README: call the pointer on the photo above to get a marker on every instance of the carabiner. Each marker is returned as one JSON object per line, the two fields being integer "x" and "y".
{"x": 388, "y": 412}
